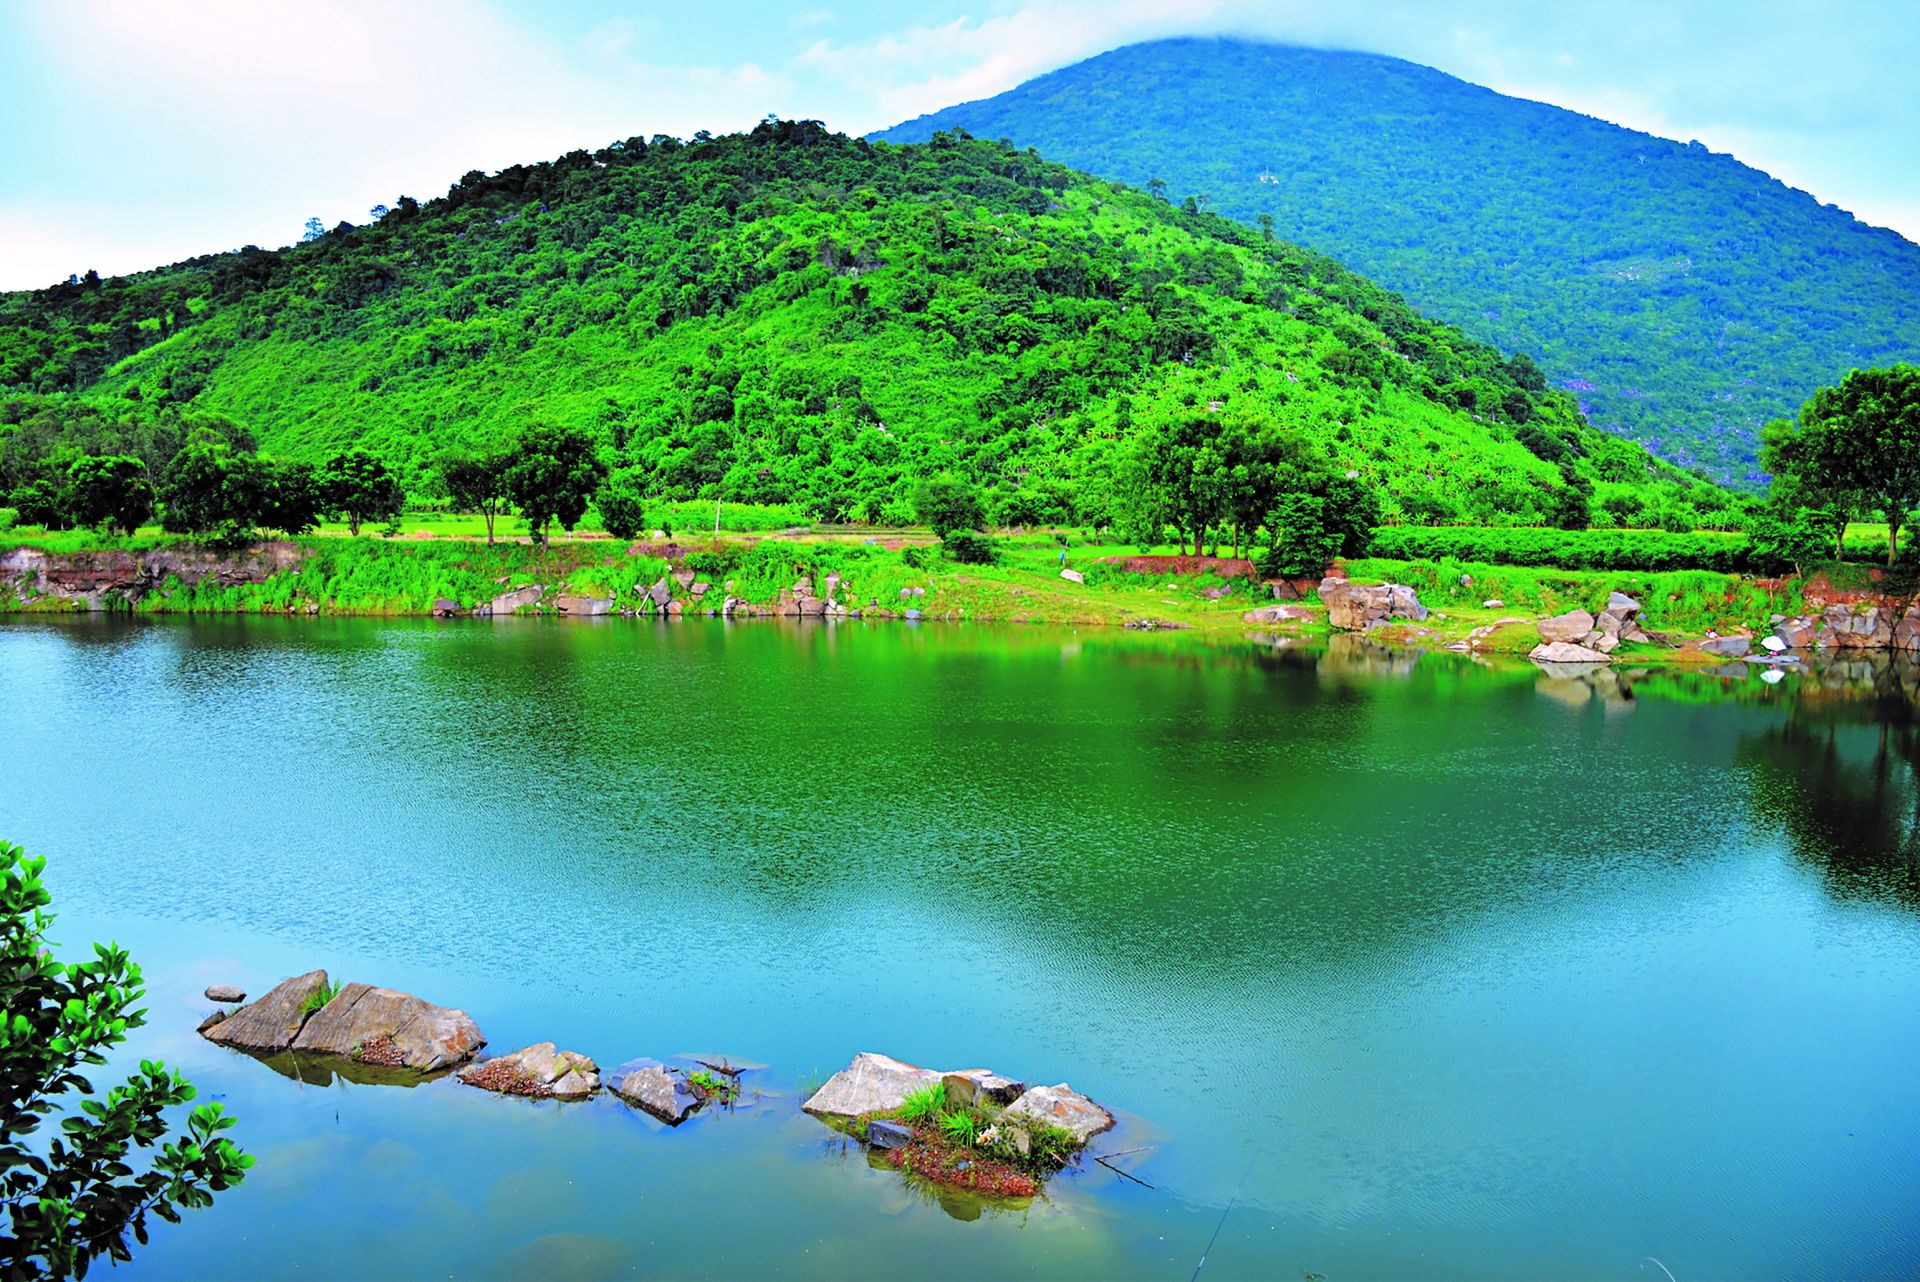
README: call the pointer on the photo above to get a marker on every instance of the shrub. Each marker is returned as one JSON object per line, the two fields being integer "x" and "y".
{"x": 1655, "y": 550}
{"x": 969, "y": 548}
{"x": 623, "y": 513}
{"x": 946, "y": 504}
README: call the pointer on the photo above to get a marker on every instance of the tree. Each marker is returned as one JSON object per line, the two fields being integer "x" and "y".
{"x": 315, "y": 229}
{"x": 1179, "y": 473}
{"x": 39, "y": 502}
{"x": 475, "y": 483}
{"x": 109, "y": 490}
{"x": 357, "y": 487}
{"x": 75, "y": 1197}
{"x": 1870, "y": 425}
{"x": 1304, "y": 541}
{"x": 1811, "y": 470}
{"x": 946, "y": 504}
{"x": 290, "y": 498}
{"x": 1787, "y": 537}
{"x": 210, "y": 490}
{"x": 969, "y": 547}
{"x": 622, "y": 509}
{"x": 552, "y": 476}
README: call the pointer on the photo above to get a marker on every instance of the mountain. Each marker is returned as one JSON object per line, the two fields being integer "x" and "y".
{"x": 1683, "y": 296}
{"x": 792, "y": 315}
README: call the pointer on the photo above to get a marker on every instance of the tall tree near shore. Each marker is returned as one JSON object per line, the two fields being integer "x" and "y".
{"x": 476, "y": 482}
{"x": 359, "y": 488}
{"x": 552, "y": 475}
{"x": 110, "y": 491}
{"x": 1857, "y": 444}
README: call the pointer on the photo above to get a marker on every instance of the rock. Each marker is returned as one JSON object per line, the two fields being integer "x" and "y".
{"x": 1355, "y": 609}
{"x": 1565, "y": 652}
{"x": 1906, "y": 633}
{"x": 812, "y": 605}
{"x": 1621, "y": 604}
{"x": 224, "y": 993}
{"x": 912, "y": 615}
{"x": 919, "y": 591}
{"x": 1573, "y": 626}
{"x": 976, "y": 1086}
{"x": 1798, "y": 634}
{"x": 906, "y": 594}
{"x": 1608, "y": 643}
{"x": 445, "y": 609}
{"x": 508, "y": 602}
{"x": 394, "y": 1029}
{"x": 701, "y": 589}
{"x": 1730, "y": 647}
{"x": 1064, "y": 1107}
{"x": 584, "y": 605}
{"x": 831, "y": 583}
{"x": 676, "y": 608}
{"x": 684, "y": 578}
{"x": 660, "y": 594}
{"x": 1277, "y": 614}
{"x": 271, "y": 1023}
{"x": 872, "y": 1083}
{"x": 1493, "y": 603}
{"x": 1073, "y": 576}
{"x": 885, "y": 1134}
{"x": 728, "y": 606}
{"x": 661, "y": 1091}
{"x": 1773, "y": 644}
{"x": 538, "y": 1070}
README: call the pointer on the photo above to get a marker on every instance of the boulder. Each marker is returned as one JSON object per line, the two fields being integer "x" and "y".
{"x": 445, "y": 609}
{"x": 1064, "y": 1107}
{"x": 701, "y": 589}
{"x": 1772, "y": 644}
{"x": 906, "y": 594}
{"x": 812, "y": 605}
{"x": 1573, "y": 626}
{"x": 675, "y": 608}
{"x": 1355, "y": 609}
{"x": 663, "y": 1092}
{"x": 1493, "y": 603}
{"x": 660, "y": 594}
{"x": 684, "y": 578}
{"x": 1073, "y": 576}
{"x": 1621, "y": 604}
{"x": 1798, "y": 634}
{"x": 1906, "y": 633}
{"x": 884, "y": 1134}
{"x": 539, "y": 1071}
{"x": 224, "y": 993}
{"x": 1566, "y": 652}
{"x": 1277, "y": 614}
{"x": 978, "y": 1086}
{"x": 274, "y": 1021}
{"x": 508, "y": 602}
{"x": 586, "y": 605}
{"x": 831, "y": 583}
{"x": 390, "y": 1028}
{"x": 870, "y": 1084}
{"x": 1728, "y": 647}
{"x": 911, "y": 615}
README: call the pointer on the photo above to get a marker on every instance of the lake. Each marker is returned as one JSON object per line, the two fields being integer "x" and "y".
{"x": 1403, "y": 965}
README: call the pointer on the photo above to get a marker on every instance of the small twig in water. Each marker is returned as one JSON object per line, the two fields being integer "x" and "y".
{"x": 1123, "y": 1174}
{"x": 1663, "y": 1268}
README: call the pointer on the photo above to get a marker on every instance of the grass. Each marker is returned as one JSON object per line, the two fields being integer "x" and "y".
{"x": 319, "y": 997}
{"x": 925, "y": 1106}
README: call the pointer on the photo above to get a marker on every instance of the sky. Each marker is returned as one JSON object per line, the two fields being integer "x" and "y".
{"x": 141, "y": 132}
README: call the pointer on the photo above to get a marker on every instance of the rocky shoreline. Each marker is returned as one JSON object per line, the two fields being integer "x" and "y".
{"x": 1025, "y": 1133}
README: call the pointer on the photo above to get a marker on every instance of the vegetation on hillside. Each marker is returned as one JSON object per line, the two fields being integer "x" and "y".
{"x": 792, "y": 316}
{"x": 1684, "y": 297}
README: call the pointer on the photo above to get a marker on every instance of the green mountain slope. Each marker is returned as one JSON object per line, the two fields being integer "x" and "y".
{"x": 793, "y": 315}
{"x": 1685, "y": 297}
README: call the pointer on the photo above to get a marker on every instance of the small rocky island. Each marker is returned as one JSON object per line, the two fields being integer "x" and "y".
{"x": 968, "y": 1128}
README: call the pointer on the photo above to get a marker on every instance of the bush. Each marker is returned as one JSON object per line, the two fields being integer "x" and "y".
{"x": 969, "y": 548}
{"x": 1304, "y": 539}
{"x": 946, "y": 504}
{"x": 1654, "y": 550}
{"x": 623, "y": 513}
{"x": 8, "y": 518}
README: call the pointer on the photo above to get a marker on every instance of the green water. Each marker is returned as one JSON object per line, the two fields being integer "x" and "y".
{"x": 1405, "y": 967}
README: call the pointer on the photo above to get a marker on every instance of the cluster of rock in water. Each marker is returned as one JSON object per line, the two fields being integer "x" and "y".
{"x": 388, "y": 1029}
{"x": 384, "y": 1028}
{"x": 696, "y": 596}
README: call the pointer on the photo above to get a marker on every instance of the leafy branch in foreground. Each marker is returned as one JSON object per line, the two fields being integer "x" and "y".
{"x": 76, "y": 1197}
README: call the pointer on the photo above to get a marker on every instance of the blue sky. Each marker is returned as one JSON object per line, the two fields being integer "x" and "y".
{"x": 143, "y": 131}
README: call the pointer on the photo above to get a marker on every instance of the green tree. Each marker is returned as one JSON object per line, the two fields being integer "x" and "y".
{"x": 358, "y": 487}
{"x": 1871, "y": 424}
{"x": 1179, "y": 474}
{"x": 290, "y": 498}
{"x": 1304, "y": 539}
{"x": 1812, "y": 469}
{"x": 110, "y": 491}
{"x": 945, "y": 504}
{"x": 210, "y": 490}
{"x": 475, "y": 483}
{"x": 552, "y": 476}
{"x": 1784, "y": 537}
{"x": 39, "y": 502}
{"x": 622, "y": 508}
{"x": 76, "y": 1197}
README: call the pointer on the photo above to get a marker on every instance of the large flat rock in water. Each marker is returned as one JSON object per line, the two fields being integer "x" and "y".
{"x": 1064, "y": 1107}
{"x": 398, "y": 1030}
{"x": 541, "y": 1070}
{"x": 271, "y": 1023}
{"x": 871, "y": 1084}
{"x": 661, "y": 1091}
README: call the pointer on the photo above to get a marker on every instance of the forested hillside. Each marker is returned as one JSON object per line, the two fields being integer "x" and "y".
{"x": 1684, "y": 297}
{"x": 796, "y": 316}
